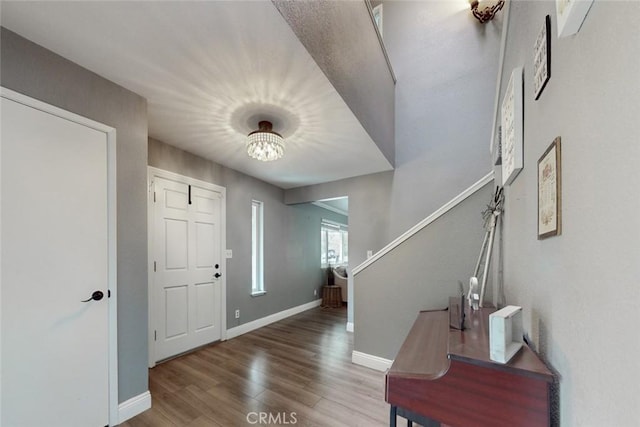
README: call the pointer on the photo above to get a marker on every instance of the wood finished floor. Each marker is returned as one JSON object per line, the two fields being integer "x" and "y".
{"x": 301, "y": 364}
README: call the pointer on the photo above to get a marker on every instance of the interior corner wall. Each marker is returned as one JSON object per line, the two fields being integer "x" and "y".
{"x": 291, "y": 262}
{"x": 368, "y": 214}
{"x": 446, "y": 64}
{"x": 41, "y": 74}
{"x": 579, "y": 290}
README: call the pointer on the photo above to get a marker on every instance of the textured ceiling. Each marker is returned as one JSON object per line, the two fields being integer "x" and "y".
{"x": 210, "y": 71}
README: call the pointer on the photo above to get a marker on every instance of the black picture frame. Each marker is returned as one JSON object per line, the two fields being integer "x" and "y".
{"x": 542, "y": 58}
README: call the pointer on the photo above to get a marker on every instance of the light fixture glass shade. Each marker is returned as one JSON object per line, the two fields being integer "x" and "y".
{"x": 264, "y": 144}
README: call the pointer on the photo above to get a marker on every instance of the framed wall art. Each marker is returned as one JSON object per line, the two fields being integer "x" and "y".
{"x": 570, "y": 14}
{"x": 550, "y": 192}
{"x": 512, "y": 128}
{"x": 542, "y": 58}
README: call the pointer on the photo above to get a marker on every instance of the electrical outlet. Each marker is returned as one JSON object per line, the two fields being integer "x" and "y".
{"x": 315, "y": 292}
{"x": 237, "y": 314}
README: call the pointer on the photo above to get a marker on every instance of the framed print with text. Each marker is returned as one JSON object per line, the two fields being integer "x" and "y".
{"x": 512, "y": 127}
{"x": 550, "y": 192}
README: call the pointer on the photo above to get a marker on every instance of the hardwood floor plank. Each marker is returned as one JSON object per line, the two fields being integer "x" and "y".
{"x": 298, "y": 369}
{"x": 341, "y": 412}
{"x": 301, "y": 411}
{"x": 203, "y": 421}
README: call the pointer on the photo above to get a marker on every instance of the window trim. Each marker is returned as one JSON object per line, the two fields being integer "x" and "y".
{"x": 327, "y": 223}
{"x": 257, "y": 248}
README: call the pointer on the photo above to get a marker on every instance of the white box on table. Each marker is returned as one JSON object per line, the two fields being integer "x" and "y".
{"x": 505, "y": 333}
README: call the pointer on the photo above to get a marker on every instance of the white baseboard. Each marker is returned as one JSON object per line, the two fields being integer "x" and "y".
{"x": 134, "y": 406}
{"x": 349, "y": 326}
{"x": 370, "y": 361}
{"x": 259, "y": 323}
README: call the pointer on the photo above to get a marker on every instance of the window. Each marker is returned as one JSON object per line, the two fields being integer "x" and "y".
{"x": 334, "y": 247}
{"x": 257, "y": 250}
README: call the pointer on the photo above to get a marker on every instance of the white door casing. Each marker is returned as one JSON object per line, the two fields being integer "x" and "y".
{"x": 58, "y": 354}
{"x": 186, "y": 250}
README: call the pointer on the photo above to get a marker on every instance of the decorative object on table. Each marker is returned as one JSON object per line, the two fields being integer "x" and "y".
{"x": 542, "y": 58}
{"x": 331, "y": 280}
{"x": 491, "y": 216}
{"x": 486, "y": 11}
{"x": 474, "y": 292}
{"x": 550, "y": 191}
{"x": 505, "y": 333}
{"x": 570, "y": 14}
{"x": 512, "y": 128}
{"x": 457, "y": 309}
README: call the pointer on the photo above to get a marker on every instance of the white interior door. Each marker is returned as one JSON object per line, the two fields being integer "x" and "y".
{"x": 55, "y": 254}
{"x": 187, "y": 282}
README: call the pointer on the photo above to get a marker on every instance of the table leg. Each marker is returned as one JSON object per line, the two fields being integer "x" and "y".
{"x": 393, "y": 416}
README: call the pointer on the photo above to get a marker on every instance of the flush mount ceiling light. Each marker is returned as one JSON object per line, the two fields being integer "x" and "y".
{"x": 488, "y": 10}
{"x": 265, "y": 144}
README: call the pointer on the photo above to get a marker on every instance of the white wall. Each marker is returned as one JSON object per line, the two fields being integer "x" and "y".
{"x": 579, "y": 290}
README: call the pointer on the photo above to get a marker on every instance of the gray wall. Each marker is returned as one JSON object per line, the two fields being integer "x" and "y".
{"x": 420, "y": 274}
{"x": 446, "y": 64}
{"x": 579, "y": 290}
{"x": 304, "y": 242}
{"x": 34, "y": 71}
{"x": 291, "y": 237}
{"x": 341, "y": 38}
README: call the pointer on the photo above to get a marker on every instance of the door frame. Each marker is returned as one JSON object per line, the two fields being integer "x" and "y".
{"x": 161, "y": 173}
{"x": 112, "y": 264}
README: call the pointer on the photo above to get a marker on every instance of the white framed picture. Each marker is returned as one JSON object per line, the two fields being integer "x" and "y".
{"x": 570, "y": 14}
{"x": 512, "y": 128}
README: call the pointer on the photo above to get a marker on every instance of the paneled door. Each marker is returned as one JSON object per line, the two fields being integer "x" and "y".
{"x": 188, "y": 264}
{"x": 57, "y": 268}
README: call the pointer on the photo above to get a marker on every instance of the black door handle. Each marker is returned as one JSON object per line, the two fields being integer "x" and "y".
{"x": 97, "y": 296}
{"x": 217, "y": 275}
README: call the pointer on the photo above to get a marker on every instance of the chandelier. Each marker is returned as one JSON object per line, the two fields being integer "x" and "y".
{"x": 264, "y": 144}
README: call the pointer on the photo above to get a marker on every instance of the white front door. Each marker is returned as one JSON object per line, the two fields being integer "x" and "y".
{"x": 187, "y": 253}
{"x": 55, "y": 254}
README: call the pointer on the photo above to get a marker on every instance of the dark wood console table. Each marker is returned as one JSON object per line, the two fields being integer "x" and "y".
{"x": 443, "y": 376}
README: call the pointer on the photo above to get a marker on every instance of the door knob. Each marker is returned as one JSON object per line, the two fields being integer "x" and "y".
{"x": 217, "y": 275}
{"x": 97, "y": 296}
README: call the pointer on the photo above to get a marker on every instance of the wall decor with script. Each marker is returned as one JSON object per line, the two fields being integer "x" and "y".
{"x": 542, "y": 58}
{"x": 512, "y": 128}
{"x": 550, "y": 192}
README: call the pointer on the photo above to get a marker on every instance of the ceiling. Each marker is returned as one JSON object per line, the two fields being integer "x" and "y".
{"x": 210, "y": 71}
